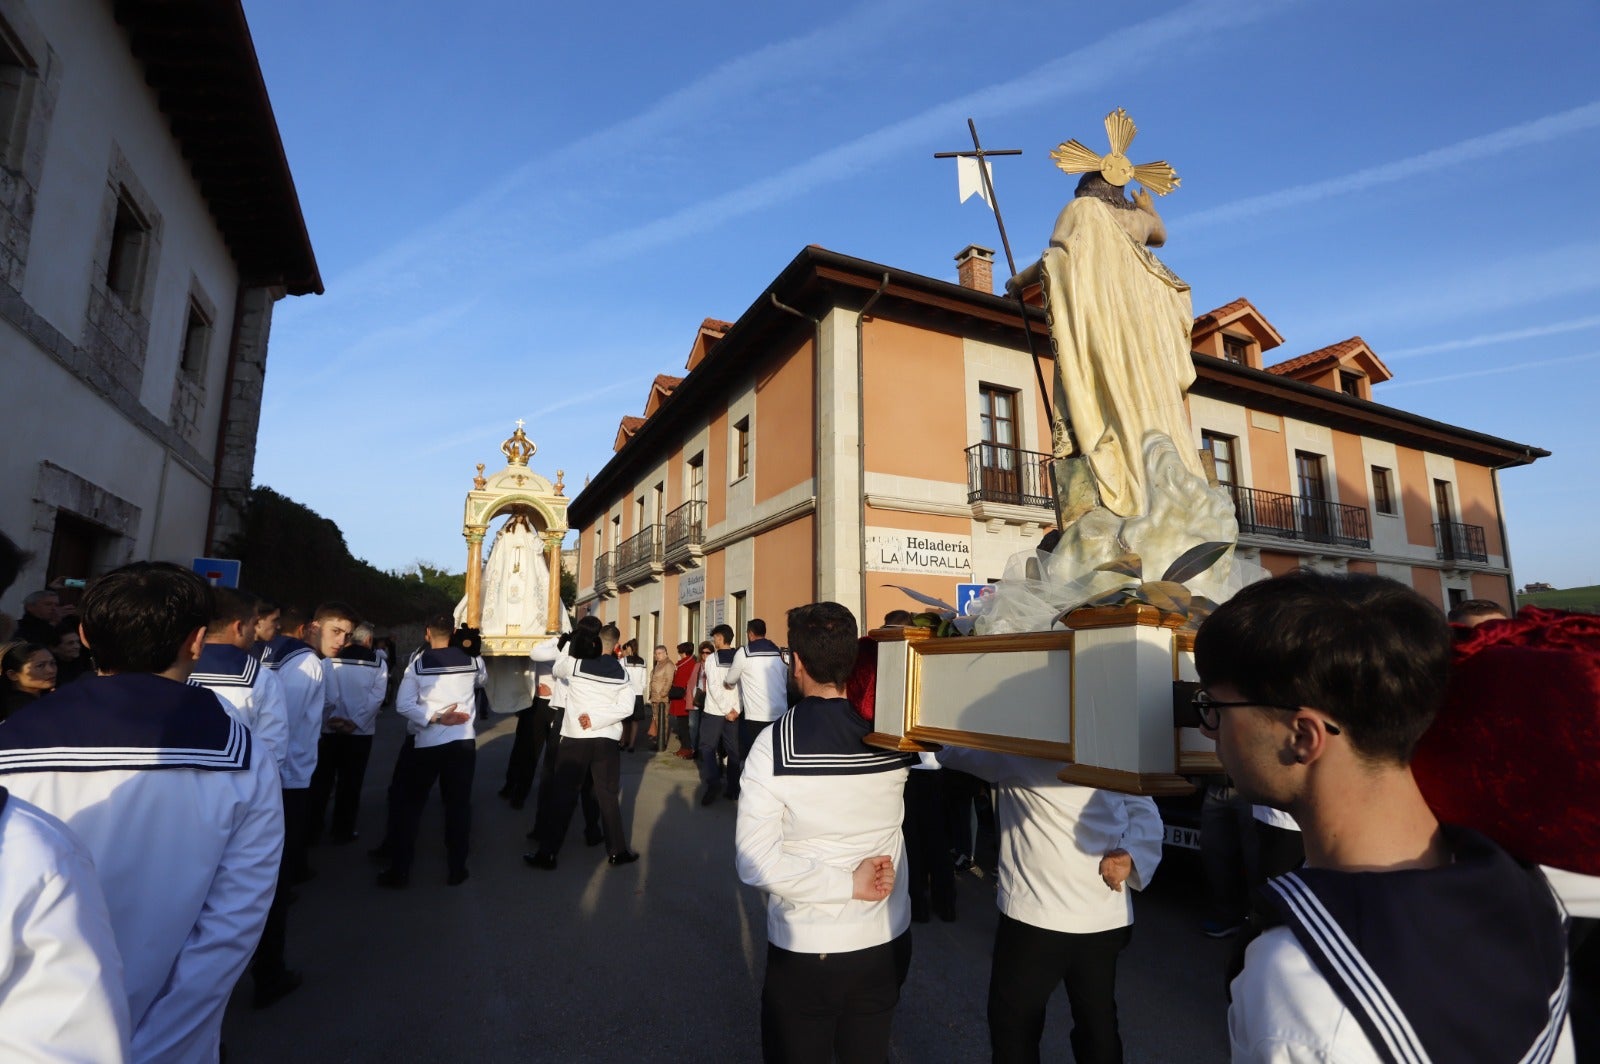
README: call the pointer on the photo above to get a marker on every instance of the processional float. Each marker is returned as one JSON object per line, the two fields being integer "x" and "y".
{"x": 1077, "y": 657}
{"x": 515, "y": 600}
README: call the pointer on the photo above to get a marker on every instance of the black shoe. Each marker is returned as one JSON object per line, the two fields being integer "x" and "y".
{"x": 394, "y": 879}
{"x": 709, "y": 797}
{"x": 270, "y": 991}
{"x": 625, "y": 857}
{"x": 593, "y": 840}
{"x": 945, "y": 910}
{"x": 455, "y": 879}
{"x": 546, "y": 861}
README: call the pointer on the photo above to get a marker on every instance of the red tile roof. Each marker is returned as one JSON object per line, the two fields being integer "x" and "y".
{"x": 666, "y": 382}
{"x": 1211, "y": 317}
{"x": 1323, "y": 356}
{"x": 716, "y": 325}
{"x": 631, "y": 424}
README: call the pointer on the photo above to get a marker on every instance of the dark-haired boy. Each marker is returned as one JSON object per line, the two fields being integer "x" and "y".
{"x": 1401, "y": 938}
{"x": 599, "y": 698}
{"x": 719, "y": 726}
{"x": 436, "y": 699}
{"x": 819, "y": 832}
{"x": 762, "y": 679}
{"x": 177, "y": 805}
{"x": 249, "y": 690}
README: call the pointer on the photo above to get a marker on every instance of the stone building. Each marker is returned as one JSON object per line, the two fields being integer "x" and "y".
{"x": 150, "y": 223}
{"x": 861, "y": 426}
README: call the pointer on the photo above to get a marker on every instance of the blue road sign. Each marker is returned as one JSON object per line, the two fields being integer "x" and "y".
{"x": 967, "y": 594}
{"x": 219, "y": 572}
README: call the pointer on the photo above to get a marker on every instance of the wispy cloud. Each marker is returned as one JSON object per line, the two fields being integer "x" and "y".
{"x": 1089, "y": 68}
{"x": 796, "y": 59}
{"x": 533, "y": 417}
{"x": 1512, "y": 138}
{"x": 1512, "y": 367}
{"x": 1495, "y": 339}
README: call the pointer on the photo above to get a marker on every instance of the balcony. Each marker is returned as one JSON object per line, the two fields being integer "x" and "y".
{"x": 639, "y": 557}
{"x": 1000, "y": 473}
{"x": 605, "y": 574}
{"x": 1460, "y": 543}
{"x": 1271, "y": 513}
{"x": 686, "y": 535}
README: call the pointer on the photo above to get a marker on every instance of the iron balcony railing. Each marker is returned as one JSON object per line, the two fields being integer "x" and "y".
{"x": 1459, "y": 542}
{"x": 639, "y": 553}
{"x": 686, "y": 526}
{"x": 1272, "y": 513}
{"x": 999, "y": 472}
{"x": 605, "y": 569}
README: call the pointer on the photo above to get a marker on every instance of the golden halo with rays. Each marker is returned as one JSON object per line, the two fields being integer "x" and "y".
{"x": 1074, "y": 158}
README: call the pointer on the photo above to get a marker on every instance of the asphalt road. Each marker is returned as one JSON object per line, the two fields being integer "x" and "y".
{"x": 656, "y": 961}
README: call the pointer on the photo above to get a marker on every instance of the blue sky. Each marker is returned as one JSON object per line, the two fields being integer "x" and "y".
{"x": 525, "y": 210}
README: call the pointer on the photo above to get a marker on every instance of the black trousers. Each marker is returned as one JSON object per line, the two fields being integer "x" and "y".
{"x": 1028, "y": 962}
{"x": 715, "y": 730}
{"x": 969, "y": 796}
{"x": 927, "y": 832}
{"x": 402, "y": 766}
{"x": 533, "y": 735}
{"x": 820, "y": 1007}
{"x": 268, "y": 963}
{"x": 451, "y": 764}
{"x": 341, "y": 769}
{"x": 599, "y": 760}
{"x": 547, "y": 782}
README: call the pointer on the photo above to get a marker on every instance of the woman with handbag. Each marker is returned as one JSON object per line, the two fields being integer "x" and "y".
{"x": 680, "y": 699}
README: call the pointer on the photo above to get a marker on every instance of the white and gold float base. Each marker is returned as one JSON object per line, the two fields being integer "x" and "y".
{"x": 1105, "y": 697}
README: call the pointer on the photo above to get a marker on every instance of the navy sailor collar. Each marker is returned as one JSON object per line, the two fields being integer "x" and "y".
{"x": 605, "y": 667}
{"x": 1390, "y": 944}
{"x": 127, "y": 721}
{"x": 224, "y": 665}
{"x": 725, "y": 656}
{"x": 827, "y": 737}
{"x": 762, "y": 648}
{"x": 436, "y": 660}
{"x": 280, "y": 649}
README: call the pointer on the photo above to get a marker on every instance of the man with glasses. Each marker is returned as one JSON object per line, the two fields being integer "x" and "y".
{"x": 1401, "y": 939}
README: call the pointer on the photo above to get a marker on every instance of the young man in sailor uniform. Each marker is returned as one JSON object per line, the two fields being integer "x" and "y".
{"x": 819, "y": 832}
{"x": 534, "y": 726}
{"x": 357, "y": 683}
{"x": 599, "y": 698}
{"x": 249, "y": 690}
{"x": 759, "y": 672}
{"x": 61, "y": 991}
{"x": 720, "y": 724}
{"x": 268, "y": 615}
{"x": 1070, "y": 859}
{"x": 436, "y": 696}
{"x": 585, "y": 636}
{"x": 1401, "y": 939}
{"x": 175, "y": 802}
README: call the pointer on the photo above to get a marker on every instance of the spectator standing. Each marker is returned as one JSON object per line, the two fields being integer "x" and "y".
{"x": 71, "y": 659}
{"x": 41, "y": 612}
{"x": 29, "y": 673}
{"x": 680, "y": 700}
{"x": 661, "y": 672}
{"x": 719, "y": 724}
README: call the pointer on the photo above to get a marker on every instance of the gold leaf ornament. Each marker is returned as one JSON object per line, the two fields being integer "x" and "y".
{"x": 1074, "y": 157}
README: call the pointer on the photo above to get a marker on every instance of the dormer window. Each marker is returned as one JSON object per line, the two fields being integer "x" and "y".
{"x": 1350, "y": 383}
{"x": 1236, "y": 349}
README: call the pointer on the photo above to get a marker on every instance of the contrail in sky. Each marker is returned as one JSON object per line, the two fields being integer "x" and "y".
{"x": 1538, "y": 131}
{"x": 1490, "y": 339}
{"x": 1514, "y": 367}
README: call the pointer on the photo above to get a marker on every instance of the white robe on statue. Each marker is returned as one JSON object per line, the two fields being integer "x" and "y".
{"x": 1120, "y": 323}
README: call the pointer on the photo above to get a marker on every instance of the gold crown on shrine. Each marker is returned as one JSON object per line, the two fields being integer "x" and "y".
{"x": 518, "y": 448}
{"x": 1074, "y": 158}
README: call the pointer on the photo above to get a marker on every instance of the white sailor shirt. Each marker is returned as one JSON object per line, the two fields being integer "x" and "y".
{"x": 249, "y": 691}
{"x": 598, "y": 688}
{"x": 357, "y": 684}
{"x": 437, "y": 679}
{"x": 638, "y": 676}
{"x": 759, "y": 672}
{"x": 814, "y": 802}
{"x": 61, "y": 992}
{"x": 1052, "y": 837}
{"x": 305, "y": 693}
{"x": 184, "y": 820}
{"x": 545, "y": 655}
{"x": 720, "y": 698}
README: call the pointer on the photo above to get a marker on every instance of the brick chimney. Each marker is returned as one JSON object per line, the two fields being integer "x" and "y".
{"x": 975, "y": 267}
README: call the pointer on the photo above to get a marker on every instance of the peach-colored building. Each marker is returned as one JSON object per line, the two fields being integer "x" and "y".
{"x": 861, "y": 426}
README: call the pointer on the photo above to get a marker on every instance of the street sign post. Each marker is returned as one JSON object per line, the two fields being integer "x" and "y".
{"x": 219, "y": 572}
